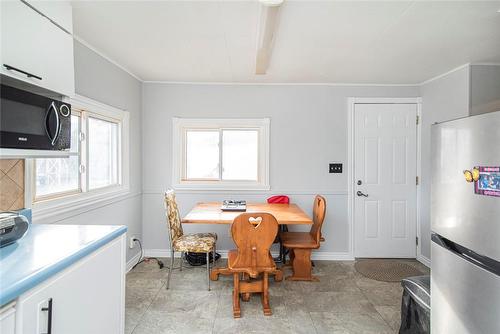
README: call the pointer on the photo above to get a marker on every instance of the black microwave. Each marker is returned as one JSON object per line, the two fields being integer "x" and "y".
{"x": 32, "y": 121}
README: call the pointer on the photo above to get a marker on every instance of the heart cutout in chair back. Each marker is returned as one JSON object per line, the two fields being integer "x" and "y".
{"x": 255, "y": 221}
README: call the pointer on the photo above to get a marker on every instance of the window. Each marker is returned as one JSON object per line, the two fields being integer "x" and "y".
{"x": 221, "y": 154}
{"x": 59, "y": 176}
{"x": 95, "y": 161}
{"x": 103, "y": 153}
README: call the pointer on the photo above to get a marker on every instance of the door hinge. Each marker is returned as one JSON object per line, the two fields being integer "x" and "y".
{"x": 418, "y": 119}
{"x": 416, "y": 180}
{"x": 416, "y": 241}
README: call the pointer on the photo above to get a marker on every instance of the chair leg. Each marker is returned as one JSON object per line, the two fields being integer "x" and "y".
{"x": 265, "y": 295}
{"x": 236, "y": 296}
{"x": 170, "y": 268}
{"x": 182, "y": 260}
{"x": 208, "y": 270}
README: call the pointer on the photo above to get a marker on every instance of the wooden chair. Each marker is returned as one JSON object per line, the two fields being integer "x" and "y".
{"x": 301, "y": 244}
{"x": 253, "y": 234}
{"x": 180, "y": 242}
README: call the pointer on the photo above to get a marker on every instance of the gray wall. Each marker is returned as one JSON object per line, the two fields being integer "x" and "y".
{"x": 98, "y": 79}
{"x": 484, "y": 89}
{"x": 443, "y": 99}
{"x": 308, "y": 130}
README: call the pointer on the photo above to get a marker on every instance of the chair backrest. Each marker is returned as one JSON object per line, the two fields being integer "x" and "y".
{"x": 319, "y": 211}
{"x": 173, "y": 217}
{"x": 254, "y": 234}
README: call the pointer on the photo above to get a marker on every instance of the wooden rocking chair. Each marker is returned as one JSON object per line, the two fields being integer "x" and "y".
{"x": 253, "y": 234}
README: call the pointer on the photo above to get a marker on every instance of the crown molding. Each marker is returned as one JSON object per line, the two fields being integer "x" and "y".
{"x": 444, "y": 74}
{"x": 103, "y": 55}
{"x": 226, "y": 83}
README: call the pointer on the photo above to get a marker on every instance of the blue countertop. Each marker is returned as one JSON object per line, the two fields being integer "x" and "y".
{"x": 46, "y": 250}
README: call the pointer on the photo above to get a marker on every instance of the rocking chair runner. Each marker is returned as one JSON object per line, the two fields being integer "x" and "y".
{"x": 253, "y": 234}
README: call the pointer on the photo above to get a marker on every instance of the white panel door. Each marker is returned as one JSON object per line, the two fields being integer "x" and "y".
{"x": 385, "y": 180}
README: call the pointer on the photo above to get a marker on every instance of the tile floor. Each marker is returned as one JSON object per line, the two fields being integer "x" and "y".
{"x": 342, "y": 302}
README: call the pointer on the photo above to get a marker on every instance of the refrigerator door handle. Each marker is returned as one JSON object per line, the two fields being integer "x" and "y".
{"x": 482, "y": 261}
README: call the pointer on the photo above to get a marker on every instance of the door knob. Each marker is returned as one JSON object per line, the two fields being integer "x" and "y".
{"x": 359, "y": 193}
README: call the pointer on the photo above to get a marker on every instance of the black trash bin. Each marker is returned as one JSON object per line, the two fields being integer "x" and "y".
{"x": 416, "y": 305}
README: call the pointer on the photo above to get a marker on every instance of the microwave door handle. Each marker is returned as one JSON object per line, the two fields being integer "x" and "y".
{"x": 53, "y": 139}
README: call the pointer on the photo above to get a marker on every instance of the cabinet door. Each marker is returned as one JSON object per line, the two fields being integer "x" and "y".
{"x": 35, "y": 45}
{"x": 88, "y": 297}
{"x": 8, "y": 320}
{"x": 58, "y": 11}
{"x": 57, "y": 60}
{"x": 22, "y": 39}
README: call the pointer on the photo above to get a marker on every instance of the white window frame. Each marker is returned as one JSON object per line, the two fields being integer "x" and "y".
{"x": 181, "y": 125}
{"x": 54, "y": 205}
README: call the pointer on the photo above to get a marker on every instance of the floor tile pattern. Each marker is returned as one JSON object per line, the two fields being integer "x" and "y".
{"x": 342, "y": 302}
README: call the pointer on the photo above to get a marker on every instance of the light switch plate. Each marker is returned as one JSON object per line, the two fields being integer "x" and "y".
{"x": 335, "y": 168}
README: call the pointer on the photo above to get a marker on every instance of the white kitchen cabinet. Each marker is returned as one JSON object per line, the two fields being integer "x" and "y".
{"x": 60, "y": 12}
{"x": 32, "y": 44}
{"x": 8, "y": 319}
{"x": 87, "y": 297}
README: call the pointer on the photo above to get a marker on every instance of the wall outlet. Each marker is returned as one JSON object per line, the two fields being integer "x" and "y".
{"x": 131, "y": 242}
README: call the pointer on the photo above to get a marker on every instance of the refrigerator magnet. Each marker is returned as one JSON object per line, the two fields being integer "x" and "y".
{"x": 488, "y": 182}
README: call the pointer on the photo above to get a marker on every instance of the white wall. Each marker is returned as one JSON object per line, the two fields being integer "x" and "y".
{"x": 308, "y": 131}
{"x": 443, "y": 99}
{"x": 484, "y": 89}
{"x": 98, "y": 79}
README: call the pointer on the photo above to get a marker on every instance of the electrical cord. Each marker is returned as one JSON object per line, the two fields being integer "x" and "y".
{"x": 160, "y": 263}
{"x": 142, "y": 258}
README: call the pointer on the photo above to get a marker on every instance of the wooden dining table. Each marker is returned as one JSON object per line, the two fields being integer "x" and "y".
{"x": 211, "y": 213}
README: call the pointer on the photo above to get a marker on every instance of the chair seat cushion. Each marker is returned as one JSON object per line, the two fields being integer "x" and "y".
{"x": 298, "y": 240}
{"x": 196, "y": 242}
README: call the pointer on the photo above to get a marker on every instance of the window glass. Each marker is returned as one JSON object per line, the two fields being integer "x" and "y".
{"x": 202, "y": 155}
{"x": 57, "y": 175}
{"x": 60, "y": 175}
{"x": 240, "y": 154}
{"x": 103, "y": 153}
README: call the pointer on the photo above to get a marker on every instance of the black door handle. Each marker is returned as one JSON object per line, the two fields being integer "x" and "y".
{"x": 359, "y": 193}
{"x": 49, "y": 316}
{"x": 29, "y": 75}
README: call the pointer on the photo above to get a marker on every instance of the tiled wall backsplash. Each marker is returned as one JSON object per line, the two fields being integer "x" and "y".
{"x": 11, "y": 184}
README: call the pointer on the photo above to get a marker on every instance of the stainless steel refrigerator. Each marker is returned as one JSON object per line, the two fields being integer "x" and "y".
{"x": 465, "y": 220}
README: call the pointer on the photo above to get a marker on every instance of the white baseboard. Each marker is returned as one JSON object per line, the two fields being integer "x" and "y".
{"x": 133, "y": 261}
{"x": 424, "y": 260}
{"x": 329, "y": 256}
{"x": 332, "y": 256}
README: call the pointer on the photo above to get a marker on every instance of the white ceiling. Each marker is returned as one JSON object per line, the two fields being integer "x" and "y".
{"x": 398, "y": 42}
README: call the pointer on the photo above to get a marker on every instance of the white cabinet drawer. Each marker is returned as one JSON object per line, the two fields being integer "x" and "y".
{"x": 34, "y": 45}
{"x": 8, "y": 320}
{"x": 88, "y": 297}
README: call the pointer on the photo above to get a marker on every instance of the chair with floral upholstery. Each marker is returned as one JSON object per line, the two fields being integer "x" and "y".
{"x": 180, "y": 242}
